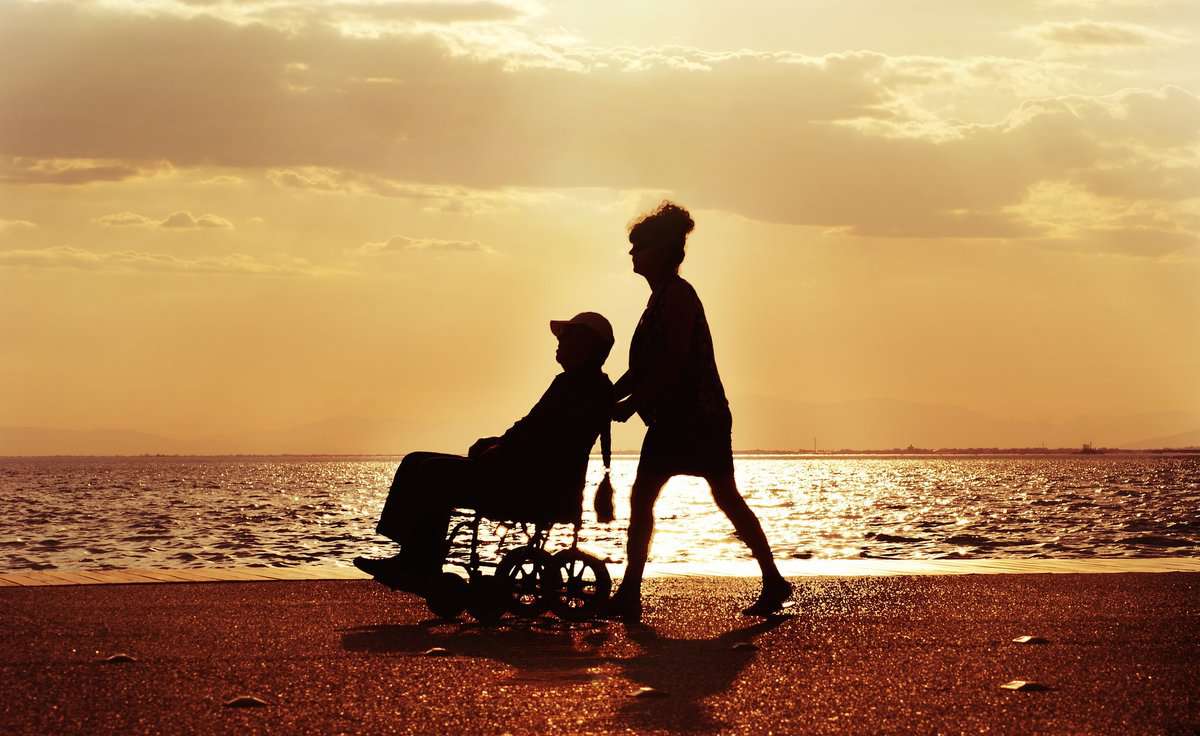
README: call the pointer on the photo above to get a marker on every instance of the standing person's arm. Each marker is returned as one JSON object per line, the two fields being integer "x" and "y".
{"x": 622, "y": 410}
{"x": 679, "y": 321}
{"x": 624, "y": 386}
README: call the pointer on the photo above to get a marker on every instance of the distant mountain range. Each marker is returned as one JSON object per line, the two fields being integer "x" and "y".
{"x": 1183, "y": 439}
{"x": 759, "y": 422}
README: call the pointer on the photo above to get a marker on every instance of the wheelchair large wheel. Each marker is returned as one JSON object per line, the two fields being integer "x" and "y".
{"x": 530, "y": 575}
{"x": 447, "y": 596}
{"x": 582, "y": 585}
{"x": 487, "y": 598}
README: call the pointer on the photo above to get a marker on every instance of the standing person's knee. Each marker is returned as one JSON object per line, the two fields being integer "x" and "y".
{"x": 641, "y": 516}
{"x": 645, "y": 491}
{"x": 405, "y": 467}
{"x": 642, "y": 498}
{"x": 726, "y": 495}
{"x": 731, "y": 504}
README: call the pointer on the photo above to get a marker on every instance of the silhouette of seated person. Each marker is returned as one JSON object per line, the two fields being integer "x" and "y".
{"x": 533, "y": 472}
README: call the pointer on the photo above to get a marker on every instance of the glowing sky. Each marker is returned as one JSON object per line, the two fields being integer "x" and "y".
{"x": 222, "y": 220}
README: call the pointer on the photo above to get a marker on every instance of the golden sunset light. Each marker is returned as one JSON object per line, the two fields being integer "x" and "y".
{"x": 274, "y": 226}
{"x": 585, "y": 367}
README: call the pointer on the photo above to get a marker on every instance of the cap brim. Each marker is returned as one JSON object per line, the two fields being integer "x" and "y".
{"x": 557, "y": 326}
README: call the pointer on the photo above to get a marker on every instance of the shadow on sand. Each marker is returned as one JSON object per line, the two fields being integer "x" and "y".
{"x": 684, "y": 672}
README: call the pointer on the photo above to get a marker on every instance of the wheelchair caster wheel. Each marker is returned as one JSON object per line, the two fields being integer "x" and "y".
{"x": 447, "y": 596}
{"x": 529, "y": 573}
{"x": 582, "y": 585}
{"x": 487, "y": 599}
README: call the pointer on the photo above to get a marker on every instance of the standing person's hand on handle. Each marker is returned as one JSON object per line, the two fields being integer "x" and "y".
{"x": 623, "y": 410}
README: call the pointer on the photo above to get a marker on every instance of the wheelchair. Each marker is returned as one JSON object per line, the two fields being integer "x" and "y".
{"x": 528, "y": 579}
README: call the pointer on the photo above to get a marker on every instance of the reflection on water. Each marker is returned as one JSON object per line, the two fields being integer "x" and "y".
{"x": 101, "y": 513}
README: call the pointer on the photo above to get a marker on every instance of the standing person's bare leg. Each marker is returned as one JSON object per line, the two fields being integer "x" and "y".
{"x": 641, "y": 528}
{"x": 775, "y": 589}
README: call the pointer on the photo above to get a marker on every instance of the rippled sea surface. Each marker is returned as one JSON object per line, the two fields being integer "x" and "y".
{"x": 102, "y": 513}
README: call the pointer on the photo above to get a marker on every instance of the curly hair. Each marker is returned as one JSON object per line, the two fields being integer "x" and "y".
{"x": 666, "y": 227}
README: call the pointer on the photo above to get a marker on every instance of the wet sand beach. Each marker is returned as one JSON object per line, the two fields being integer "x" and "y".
{"x": 883, "y": 654}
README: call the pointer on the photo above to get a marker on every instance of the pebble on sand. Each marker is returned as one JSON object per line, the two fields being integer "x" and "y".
{"x": 1024, "y": 686}
{"x": 649, "y": 692}
{"x": 1031, "y": 640}
{"x": 745, "y": 646}
{"x": 246, "y": 701}
{"x": 119, "y": 658}
{"x": 436, "y": 652}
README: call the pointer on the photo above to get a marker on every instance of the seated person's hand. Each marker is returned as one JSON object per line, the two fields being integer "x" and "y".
{"x": 481, "y": 446}
{"x": 622, "y": 410}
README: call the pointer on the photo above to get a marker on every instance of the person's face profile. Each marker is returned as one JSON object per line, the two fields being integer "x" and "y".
{"x": 647, "y": 259}
{"x": 575, "y": 347}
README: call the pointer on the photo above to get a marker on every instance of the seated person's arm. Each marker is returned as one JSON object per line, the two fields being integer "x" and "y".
{"x": 530, "y": 429}
{"x": 606, "y": 445}
{"x": 559, "y": 416}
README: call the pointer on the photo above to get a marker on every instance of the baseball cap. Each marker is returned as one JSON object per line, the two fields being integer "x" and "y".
{"x": 592, "y": 321}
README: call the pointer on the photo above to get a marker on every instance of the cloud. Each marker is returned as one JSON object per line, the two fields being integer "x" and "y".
{"x": 852, "y": 141}
{"x": 14, "y": 225}
{"x": 424, "y": 12}
{"x": 185, "y": 221}
{"x": 71, "y": 171}
{"x": 402, "y": 244}
{"x": 1160, "y": 122}
{"x": 182, "y": 220}
{"x": 434, "y": 197}
{"x": 325, "y": 180}
{"x": 126, "y": 219}
{"x": 1096, "y": 4}
{"x": 1131, "y": 241}
{"x": 1090, "y": 35}
{"x": 1070, "y": 215}
{"x": 302, "y": 98}
{"x": 1145, "y": 179}
{"x": 364, "y": 16}
{"x": 67, "y": 257}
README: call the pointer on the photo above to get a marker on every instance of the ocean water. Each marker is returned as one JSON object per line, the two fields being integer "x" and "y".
{"x": 105, "y": 513}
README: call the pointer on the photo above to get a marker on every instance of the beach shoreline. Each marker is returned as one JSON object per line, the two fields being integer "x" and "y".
{"x": 857, "y": 654}
{"x": 803, "y": 568}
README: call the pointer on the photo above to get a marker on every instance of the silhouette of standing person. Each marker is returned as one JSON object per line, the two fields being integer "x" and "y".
{"x": 673, "y": 384}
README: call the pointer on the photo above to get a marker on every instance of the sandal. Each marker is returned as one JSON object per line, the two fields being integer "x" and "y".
{"x": 771, "y": 601}
{"x": 625, "y": 608}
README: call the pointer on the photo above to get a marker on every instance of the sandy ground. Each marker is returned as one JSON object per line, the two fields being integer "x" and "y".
{"x": 858, "y": 655}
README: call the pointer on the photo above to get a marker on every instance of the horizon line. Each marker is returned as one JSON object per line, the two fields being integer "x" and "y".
{"x": 844, "y": 452}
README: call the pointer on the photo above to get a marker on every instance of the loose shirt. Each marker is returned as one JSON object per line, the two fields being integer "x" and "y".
{"x": 675, "y": 378}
